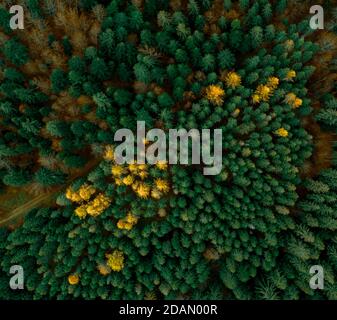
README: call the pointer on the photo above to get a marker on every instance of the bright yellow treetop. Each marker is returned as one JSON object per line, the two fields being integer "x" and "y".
{"x": 109, "y": 153}
{"x": 81, "y": 211}
{"x": 128, "y": 222}
{"x": 273, "y": 82}
{"x": 73, "y": 279}
{"x": 291, "y": 75}
{"x": 162, "y": 165}
{"x": 233, "y": 80}
{"x": 128, "y": 180}
{"x": 162, "y": 185}
{"x": 282, "y": 132}
{"x": 264, "y": 92}
{"x": 115, "y": 260}
{"x": 86, "y": 191}
{"x": 215, "y": 94}
{"x": 293, "y": 101}
{"x": 143, "y": 190}
{"x": 117, "y": 170}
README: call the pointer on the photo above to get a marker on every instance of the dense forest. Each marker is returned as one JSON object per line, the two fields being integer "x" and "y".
{"x": 80, "y": 70}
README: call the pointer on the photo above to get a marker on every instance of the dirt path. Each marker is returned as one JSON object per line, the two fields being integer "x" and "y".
{"x": 28, "y": 206}
{"x": 43, "y": 198}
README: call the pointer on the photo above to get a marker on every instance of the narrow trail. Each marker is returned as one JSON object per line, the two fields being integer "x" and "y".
{"x": 28, "y": 206}
{"x": 44, "y": 197}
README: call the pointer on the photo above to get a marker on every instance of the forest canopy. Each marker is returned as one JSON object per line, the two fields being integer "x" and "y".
{"x": 92, "y": 228}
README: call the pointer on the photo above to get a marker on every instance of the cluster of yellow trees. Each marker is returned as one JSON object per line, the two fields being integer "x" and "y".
{"x": 84, "y": 193}
{"x": 215, "y": 94}
{"x": 136, "y": 176}
{"x": 133, "y": 175}
{"x": 264, "y": 91}
{"x": 114, "y": 262}
{"x": 94, "y": 207}
{"x": 128, "y": 222}
{"x": 293, "y": 101}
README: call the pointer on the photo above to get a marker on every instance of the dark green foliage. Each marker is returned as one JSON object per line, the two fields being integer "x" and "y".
{"x": 47, "y": 177}
{"x": 58, "y": 128}
{"x": 328, "y": 115}
{"x": 165, "y": 100}
{"x": 15, "y": 52}
{"x": 58, "y": 80}
{"x": 16, "y": 178}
